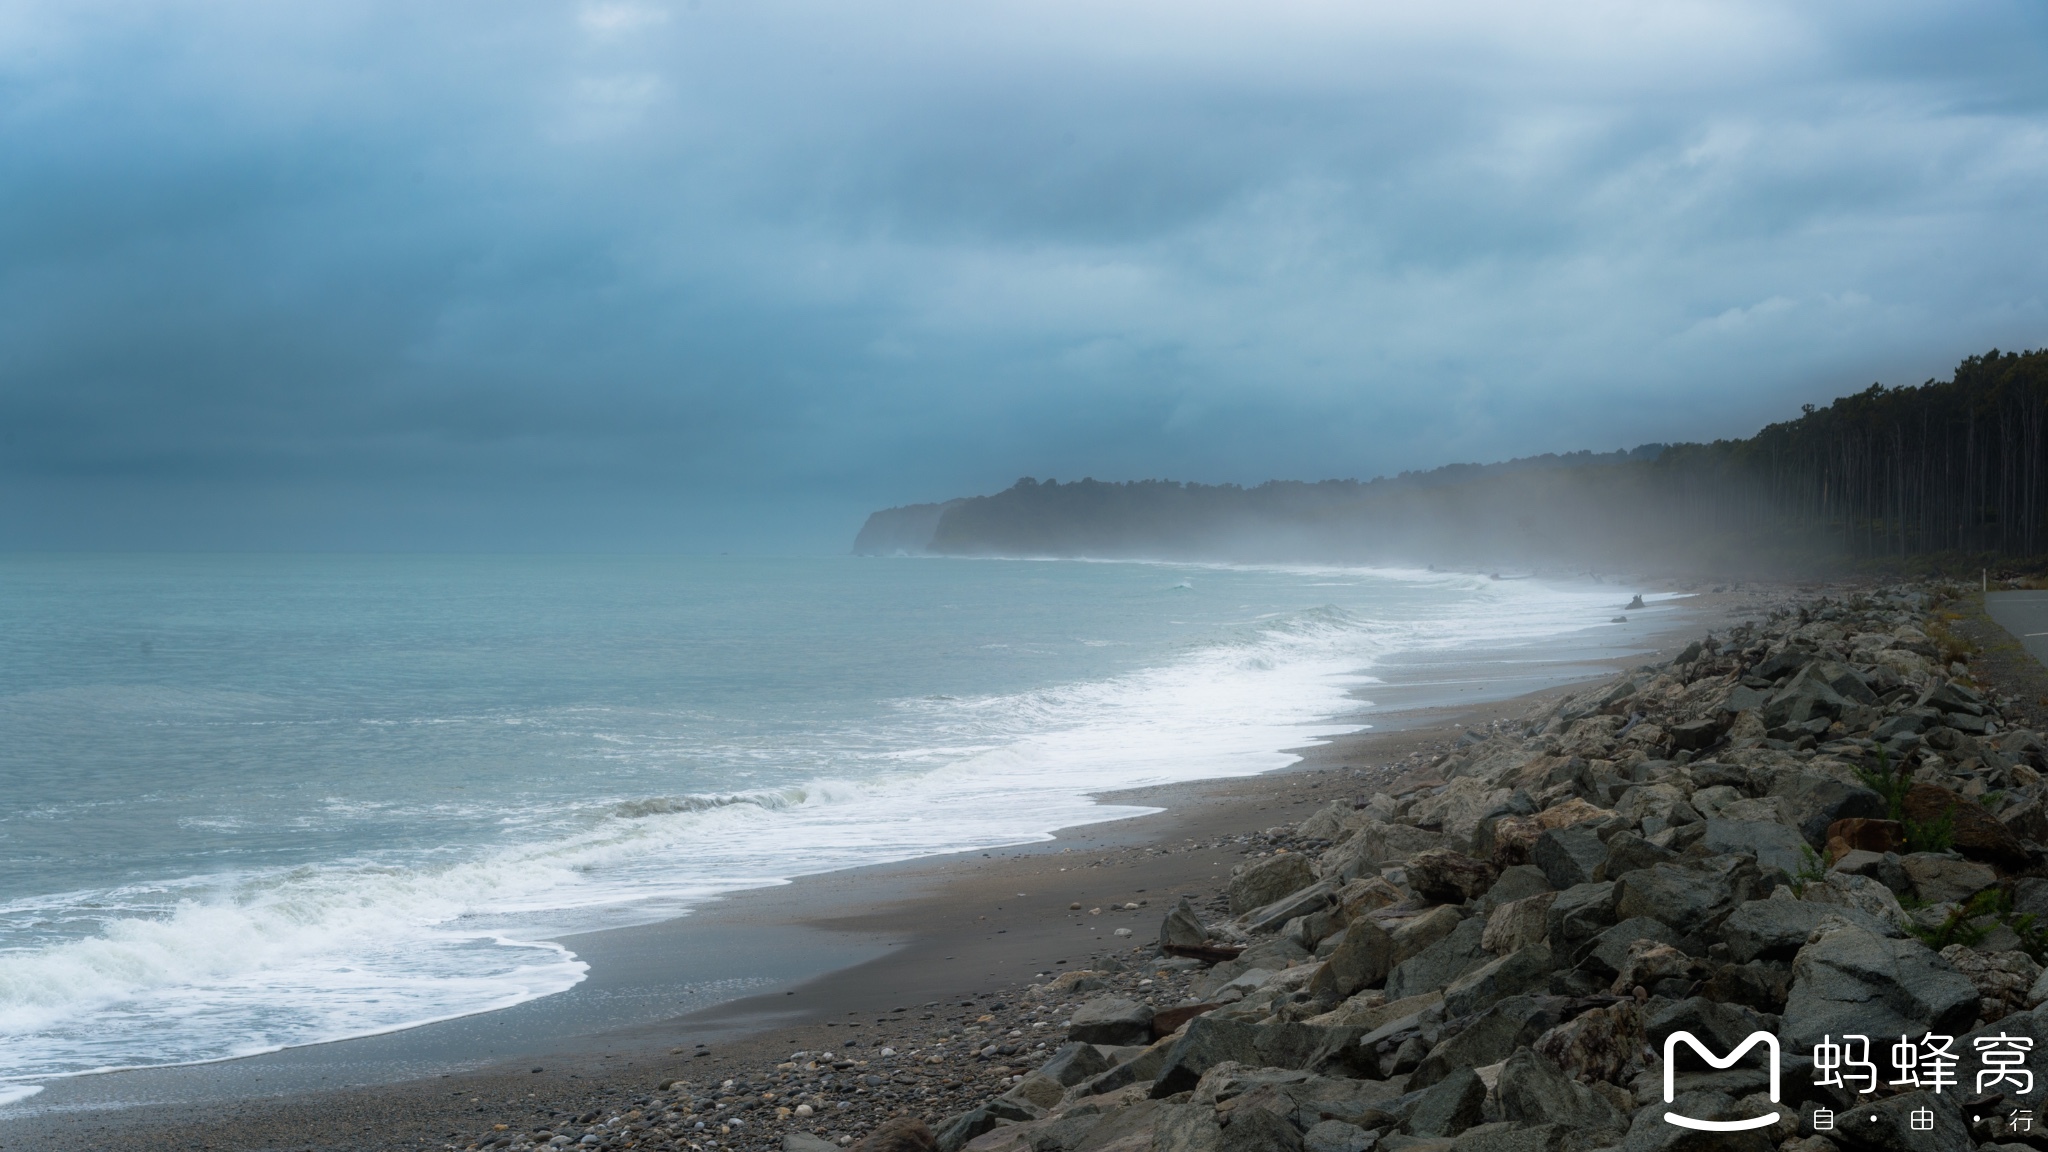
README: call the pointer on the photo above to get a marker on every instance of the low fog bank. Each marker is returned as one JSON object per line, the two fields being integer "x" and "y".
{"x": 1942, "y": 472}
{"x": 1603, "y": 517}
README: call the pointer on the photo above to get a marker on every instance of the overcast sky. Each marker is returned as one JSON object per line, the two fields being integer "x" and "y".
{"x": 729, "y": 273}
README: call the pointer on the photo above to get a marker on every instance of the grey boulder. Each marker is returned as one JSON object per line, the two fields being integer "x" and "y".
{"x": 1938, "y": 879}
{"x": 1182, "y": 927}
{"x": 1523, "y": 970}
{"x": 1532, "y": 1090}
{"x": 1568, "y": 856}
{"x": 1693, "y": 899}
{"x": 1074, "y": 1062}
{"x": 1449, "y": 1106}
{"x": 1440, "y": 963}
{"x": 1337, "y": 1136}
{"x": 1361, "y": 959}
{"x": 1264, "y": 881}
{"x": 1813, "y": 802}
{"x": 1774, "y": 845}
{"x": 1852, "y": 980}
{"x": 1112, "y": 1021}
{"x": 1777, "y": 929}
{"x": 1580, "y": 913}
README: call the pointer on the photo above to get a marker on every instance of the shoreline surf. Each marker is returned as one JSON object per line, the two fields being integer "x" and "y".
{"x": 625, "y": 993}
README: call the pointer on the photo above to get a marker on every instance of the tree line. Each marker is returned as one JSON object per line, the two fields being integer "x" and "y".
{"x": 1942, "y": 469}
{"x": 1948, "y": 466}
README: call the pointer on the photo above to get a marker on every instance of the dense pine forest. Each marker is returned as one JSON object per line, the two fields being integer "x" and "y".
{"x": 1946, "y": 471}
{"x": 1951, "y": 466}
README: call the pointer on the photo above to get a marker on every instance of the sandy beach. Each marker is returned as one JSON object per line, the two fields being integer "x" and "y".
{"x": 804, "y": 966}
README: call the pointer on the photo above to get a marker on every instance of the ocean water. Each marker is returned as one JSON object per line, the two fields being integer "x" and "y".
{"x": 255, "y": 802}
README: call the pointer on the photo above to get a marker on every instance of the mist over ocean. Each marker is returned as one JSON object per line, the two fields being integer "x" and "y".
{"x": 261, "y": 801}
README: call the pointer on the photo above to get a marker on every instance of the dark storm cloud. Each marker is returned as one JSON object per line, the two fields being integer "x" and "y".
{"x": 642, "y": 274}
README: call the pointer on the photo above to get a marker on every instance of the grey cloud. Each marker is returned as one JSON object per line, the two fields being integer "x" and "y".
{"x": 637, "y": 275}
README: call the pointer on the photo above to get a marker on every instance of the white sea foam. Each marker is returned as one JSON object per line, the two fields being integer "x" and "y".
{"x": 223, "y": 965}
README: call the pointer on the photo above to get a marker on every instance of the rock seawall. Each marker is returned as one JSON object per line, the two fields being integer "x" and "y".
{"x": 1811, "y": 825}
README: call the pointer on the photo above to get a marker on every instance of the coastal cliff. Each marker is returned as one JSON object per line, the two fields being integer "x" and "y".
{"x": 905, "y": 531}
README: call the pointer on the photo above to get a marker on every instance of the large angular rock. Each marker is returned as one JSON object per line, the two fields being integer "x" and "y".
{"x": 1600, "y": 1044}
{"x": 954, "y": 1132}
{"x": 1696, "y": 735}
{"x": 1440, "y": 963}
{"x": 1185, "y": 1127}
{"x": 1491, "y": 1036}
{"x": 1182, "y": 927}
{"x": 1374, "y": 844}
{"x": 1458, "y": 809}
{"x": 1812, "y": 802}
{"x": 1447, "y": 876}
{"x": 1949, "y": 696}
{"x": 1337, "y": 1136}
{"x": 1525, "y": 970}
{"x": 2030, "y": 897}
{"x": 1569, "y": 856}
{"x": 1510, "y": 839}
{"x": 1777, "y": 929}
{"x": 1413, "y": 936}
{"x": 1037, "y": 1090}
{"x": 1978, "y": 834}
{"x": 1135, "y": 1069}
{"x": 1074, "y": 1062}
{"x": 1693, "y": 900}
{"x": 1133, "y": 1123}
{"x": 1860, "y": 835}
{"x": 1516, "y": 883}
{"x": 1760, "y": 985}
{"x": 1655, "y": 807}
{"x": 1859, "y": 894}
{"x": 1774, "y": 845}
{"x": 1210, "y": 1041}
{"x": 1821, "y": 690}
{"x": 1533, "y": 1090}
{"x": 1324, "y": 1098}
{"x": 1518, "y": 924}
{"x": 1112, "y": 1021}
{"x": 1264, "y": 881}
{"x": 1627, "y": 852}
{"x": 1333, "y": 823}
{"x": 1938, "y": 879}
{"x": 1652, "y": 966}
{"x": 2027, "y": 820}
{"x": 1855, "y": 981}
{"x": 1604, "y": 954}
{"x": 1580, "y": 913}
{"x": 1257, "y": 1130}
{"x": 1316, "y": 898}
{"x": 1449, "y": 1106}
{"x": 2003, "y": 979}
{"x": 1361, "y": 959}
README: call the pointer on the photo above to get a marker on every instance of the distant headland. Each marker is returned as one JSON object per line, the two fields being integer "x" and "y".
{"x": 1944, "y": 473}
